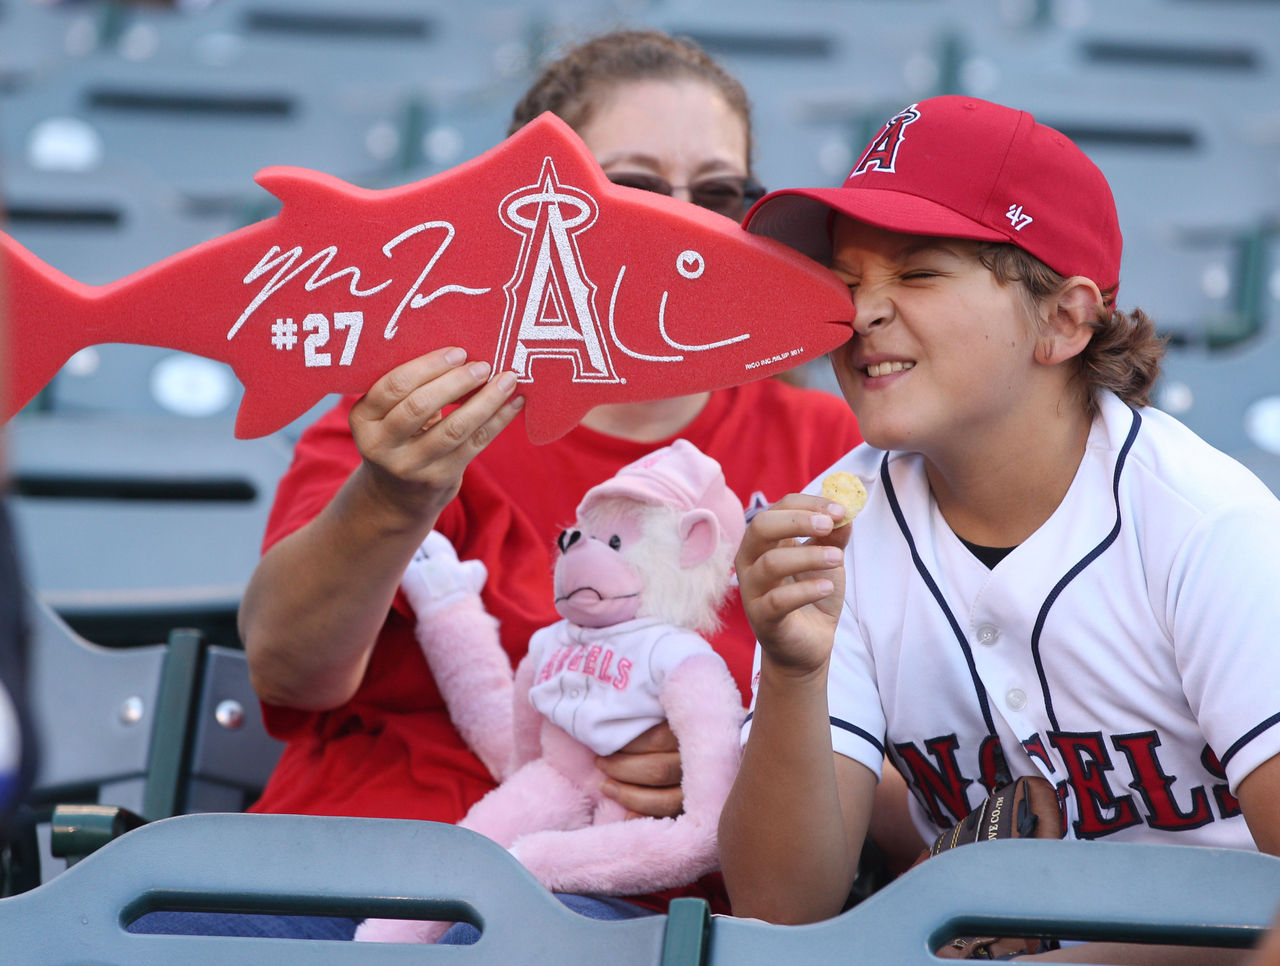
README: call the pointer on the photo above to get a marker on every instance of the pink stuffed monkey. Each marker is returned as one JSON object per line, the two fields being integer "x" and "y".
{"x": 639, "y": 579}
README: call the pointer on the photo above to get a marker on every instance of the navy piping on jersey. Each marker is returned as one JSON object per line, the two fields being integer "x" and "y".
{"x": 854, "y": 729}
{"x": 843, "y": 726}
{"x": 978, "y": 686}
{"x": 1075, "y": 571}
{"x": 1248, "y": 737}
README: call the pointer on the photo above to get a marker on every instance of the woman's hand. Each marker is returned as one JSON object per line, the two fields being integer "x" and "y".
{"x": 414, "y": 454}
{"x": 644, "y": 775}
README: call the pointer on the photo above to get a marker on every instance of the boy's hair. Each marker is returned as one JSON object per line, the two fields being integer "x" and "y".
{"x": 573, "y": 85}
{"x": 1125, "y": 351}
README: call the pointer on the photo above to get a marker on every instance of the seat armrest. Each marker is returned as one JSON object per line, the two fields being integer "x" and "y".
{"x": 79, "y": 830}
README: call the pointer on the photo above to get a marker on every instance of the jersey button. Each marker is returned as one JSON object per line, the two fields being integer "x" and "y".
{"x": 1016, "y": 699}
{"x": 988, "y": 634}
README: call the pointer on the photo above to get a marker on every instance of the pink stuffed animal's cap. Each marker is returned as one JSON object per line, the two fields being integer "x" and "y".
{"x": 679, "y": 475}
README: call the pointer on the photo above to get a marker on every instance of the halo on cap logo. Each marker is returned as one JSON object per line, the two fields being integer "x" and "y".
{"x": 882, "y": 155}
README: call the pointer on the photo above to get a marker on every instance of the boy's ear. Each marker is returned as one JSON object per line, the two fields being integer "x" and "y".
{"x": 1071, "y": 319}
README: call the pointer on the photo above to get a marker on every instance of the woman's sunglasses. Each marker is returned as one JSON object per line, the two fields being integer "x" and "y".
{"x": 729, "y": 195}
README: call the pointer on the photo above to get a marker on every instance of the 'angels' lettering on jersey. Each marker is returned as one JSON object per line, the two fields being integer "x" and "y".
{"x": 1087, "y": 778}
{"x": 601, "y": 684}
{"x": 593, "y": 661}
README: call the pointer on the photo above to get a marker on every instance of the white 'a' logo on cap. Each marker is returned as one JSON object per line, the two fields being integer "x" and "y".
{"x": 883, "y": 151}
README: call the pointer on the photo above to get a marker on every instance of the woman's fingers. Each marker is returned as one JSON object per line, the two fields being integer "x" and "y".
{"x": 410, "y": 399}
{"x": 395, "y": 386}
{"x": 644, "y": 775}
{"x": 428, "y": 409}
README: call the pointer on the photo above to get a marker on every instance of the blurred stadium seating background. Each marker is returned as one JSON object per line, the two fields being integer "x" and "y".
{"x": 130, "y": 131}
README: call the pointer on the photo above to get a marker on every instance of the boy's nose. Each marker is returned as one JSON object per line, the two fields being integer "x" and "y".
{"x": 872, "y": 309}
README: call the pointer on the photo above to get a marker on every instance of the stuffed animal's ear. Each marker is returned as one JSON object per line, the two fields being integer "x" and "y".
{"x": 699, "y": 537}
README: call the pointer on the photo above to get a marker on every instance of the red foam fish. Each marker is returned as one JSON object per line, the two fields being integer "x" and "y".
{"x": 526, "y": 256}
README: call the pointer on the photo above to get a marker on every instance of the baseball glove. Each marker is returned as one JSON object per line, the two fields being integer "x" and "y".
{"x": 1025, "y": 808}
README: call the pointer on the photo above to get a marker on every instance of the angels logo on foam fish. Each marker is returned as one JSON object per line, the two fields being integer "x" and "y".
{"x": 526, "y": 256}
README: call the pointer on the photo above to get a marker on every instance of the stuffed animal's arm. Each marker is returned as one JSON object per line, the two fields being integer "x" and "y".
{"x": 526, "y": 722}
{"x": 704, "y": 708}
{"x": 637, "y": 856}
{"x": 436, "y": 578}
{"x": 460, "y": 641}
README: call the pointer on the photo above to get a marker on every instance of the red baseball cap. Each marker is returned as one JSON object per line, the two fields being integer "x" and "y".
{"x": 961, "y": 167}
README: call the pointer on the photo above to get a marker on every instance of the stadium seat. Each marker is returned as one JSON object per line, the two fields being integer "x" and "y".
{"x": 102, "y": 224}
{"x": 94, "y": 714}
{"x": 1214, "y": 394}
{"x": 1227, "y": 391}
{"x": 340, "y": 46}
{"x": 37, "y": 39}
{"x": 96, "y": 711}
{"x": 131, "y": 526}
{"x": 231, "y": 756}
{"x": 204, "y": 136}
{"x": 306, "y": 865}
{"x": 156, "y": 730}
{"x": 1030, "y": 887}
{"x": 202, "y": 99}
{"x": 303, "y": 865}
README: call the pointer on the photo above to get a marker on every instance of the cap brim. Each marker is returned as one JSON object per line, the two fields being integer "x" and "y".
{"x": 800, "y": 217}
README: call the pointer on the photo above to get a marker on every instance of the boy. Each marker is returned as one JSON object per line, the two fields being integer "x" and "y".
{"x": 1049, "y": 578}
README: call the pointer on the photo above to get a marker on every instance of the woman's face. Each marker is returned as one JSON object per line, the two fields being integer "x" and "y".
{"x": 682, "y": 133}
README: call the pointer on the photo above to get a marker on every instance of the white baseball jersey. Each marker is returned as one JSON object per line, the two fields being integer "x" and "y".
{"x": 1126, "y": 650}
{"x": 601, "y": 684}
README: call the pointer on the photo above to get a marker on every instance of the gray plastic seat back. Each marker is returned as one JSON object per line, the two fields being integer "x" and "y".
{"x": 1085, "y": 890}
{"x": 93, "y": 709}
{"x": 141, "y": 522}
{"x": 231, "y": 753}
{"x": 308, "y": 865}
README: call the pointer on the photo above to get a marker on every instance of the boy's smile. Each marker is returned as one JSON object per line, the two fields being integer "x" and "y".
{"x": 877, "y": 369}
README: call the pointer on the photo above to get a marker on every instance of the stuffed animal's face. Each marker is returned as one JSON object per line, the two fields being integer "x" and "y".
{"x": 595, "y": 586}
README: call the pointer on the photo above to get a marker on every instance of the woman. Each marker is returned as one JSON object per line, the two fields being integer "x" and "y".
{"x": 329, "y": 639}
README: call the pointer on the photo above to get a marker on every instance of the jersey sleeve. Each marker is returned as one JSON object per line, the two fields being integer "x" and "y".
{"x": 853, "y": 703}
{"x": 853, "y": 699}
{"x": 1224, "y": 614}
{"x": 858, "y": 724}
